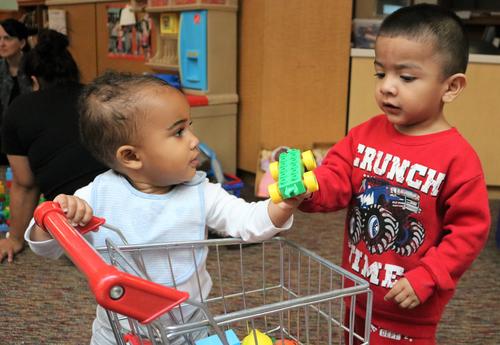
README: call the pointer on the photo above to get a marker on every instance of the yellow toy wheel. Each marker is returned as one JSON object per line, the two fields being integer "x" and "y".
{"x": 262, "y": 339}
{"x": 274, "y": 169}
{"x": 308, "y": 160}
{"x": 310, "y": 181}
{"x": 274, "y": 193}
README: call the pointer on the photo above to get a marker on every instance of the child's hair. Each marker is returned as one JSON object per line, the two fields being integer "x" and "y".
{"x": 50, "y": 60}
{"x": 111, "y": 111}
{"x": 434, "y": 24}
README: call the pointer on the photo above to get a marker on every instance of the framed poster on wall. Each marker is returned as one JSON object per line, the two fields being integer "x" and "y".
{"x": 129, "y": 33}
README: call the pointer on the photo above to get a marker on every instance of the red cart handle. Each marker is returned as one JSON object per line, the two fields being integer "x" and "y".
{"x": 115, "y": 290}
{"x": 42, "y": 209}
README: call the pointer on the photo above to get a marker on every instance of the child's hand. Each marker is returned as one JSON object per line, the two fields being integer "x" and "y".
{"x": 77, "y": 210}
{"x": 279, "y": 213}
{"x": 403, "y": 294}
{"x": 293, "y": 203}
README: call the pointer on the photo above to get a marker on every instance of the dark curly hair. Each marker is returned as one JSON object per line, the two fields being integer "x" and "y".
{"x": 50, "y": 60}
{"x": 112, "y": 109}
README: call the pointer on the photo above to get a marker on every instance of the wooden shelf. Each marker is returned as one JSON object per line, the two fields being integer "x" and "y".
{"x": 162, "y": 66}
{"x": 22, "y": 3}
{"x": 34, "y": 13}
{"x": 224, "y": 5}
{"x": 170, "y": 36}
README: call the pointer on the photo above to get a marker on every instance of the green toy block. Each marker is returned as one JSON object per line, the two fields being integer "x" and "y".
{"x": 291, "y": 170}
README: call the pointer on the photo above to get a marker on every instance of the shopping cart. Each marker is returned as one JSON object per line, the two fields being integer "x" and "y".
{"x": 275, "y": 286}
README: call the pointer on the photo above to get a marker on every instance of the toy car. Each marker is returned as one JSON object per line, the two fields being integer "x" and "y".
{"x": 289, "y": 172}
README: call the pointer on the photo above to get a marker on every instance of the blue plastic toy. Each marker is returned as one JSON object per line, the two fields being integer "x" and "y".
{"x": 171, "y": 79}
{"x": 231, "y": 183}
{"x": 231, "y": 337}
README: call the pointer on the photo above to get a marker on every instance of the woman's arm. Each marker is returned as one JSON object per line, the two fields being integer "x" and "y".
{"x": 24, "y": 196}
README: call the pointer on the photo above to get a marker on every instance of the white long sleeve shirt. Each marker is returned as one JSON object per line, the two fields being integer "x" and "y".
{"x": 179, "y": 215}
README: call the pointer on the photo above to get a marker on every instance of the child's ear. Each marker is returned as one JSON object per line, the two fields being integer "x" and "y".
{"x": 35, "y": 83}
{"x": 454, "y": 86}
{"x": 127, "y": 157}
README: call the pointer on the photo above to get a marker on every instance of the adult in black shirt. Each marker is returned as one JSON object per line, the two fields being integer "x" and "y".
{"x": 41, "y": 136}
{"x": 13, "y": 82}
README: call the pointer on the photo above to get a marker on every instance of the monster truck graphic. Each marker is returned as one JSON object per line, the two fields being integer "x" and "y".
{"x": 382, "y": 217}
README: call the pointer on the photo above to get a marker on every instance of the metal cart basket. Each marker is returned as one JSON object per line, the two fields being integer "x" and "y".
{"x": 276, "y": 287}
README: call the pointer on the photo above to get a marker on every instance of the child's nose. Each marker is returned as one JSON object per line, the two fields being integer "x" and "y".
{"x": 194, "y": 141}
{"x": 388, "y": 87}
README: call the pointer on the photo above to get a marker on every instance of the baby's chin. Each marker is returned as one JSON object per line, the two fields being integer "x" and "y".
{"x": 189, "y": 176}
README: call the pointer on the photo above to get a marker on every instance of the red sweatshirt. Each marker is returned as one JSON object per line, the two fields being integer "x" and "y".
{"x": 418, "y": 208}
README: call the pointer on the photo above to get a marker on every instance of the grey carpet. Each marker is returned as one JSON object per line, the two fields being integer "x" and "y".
{"x": 47, "y": 302}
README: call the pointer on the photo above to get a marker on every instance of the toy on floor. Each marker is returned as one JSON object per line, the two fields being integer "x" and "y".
{"x": 5, "y": 201}
{"x": 230, "y": 183}
{"x": 289, "y": 172}
{"x": 262, "y": 339}
{"x": 171, "y": 79}
{"x": 231, "y": 337}
{"x": 132, "y": 339}
{"x": 285, "y": 342}
{"x": 4, "y": 208}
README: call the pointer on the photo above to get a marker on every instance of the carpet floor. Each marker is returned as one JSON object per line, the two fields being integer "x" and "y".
{"x": 48, "y": 301}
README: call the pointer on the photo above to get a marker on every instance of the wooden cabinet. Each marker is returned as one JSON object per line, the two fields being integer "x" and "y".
{"x": 215, "y": 124}
{"x": 33, "y": 13}
{"x": 293, "y": 74}
{"x": 81, "y": 26}
{"x": 88, "y": 33}
{"x": 474, "y": 113}
{"x": 293, "y": 68}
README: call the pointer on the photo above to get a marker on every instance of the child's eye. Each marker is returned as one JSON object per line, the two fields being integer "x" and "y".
{"x": 407, "y": 78}
{"x": 181, "y": 130}
{"x": 379, "y": 75}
